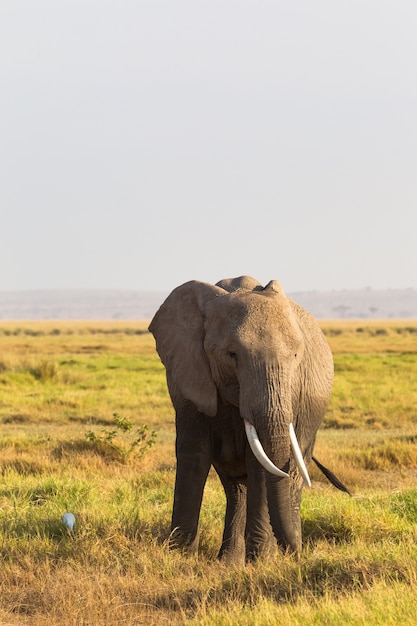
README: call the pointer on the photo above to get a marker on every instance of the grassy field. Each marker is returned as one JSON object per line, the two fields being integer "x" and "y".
{"x": 61, "y": 385}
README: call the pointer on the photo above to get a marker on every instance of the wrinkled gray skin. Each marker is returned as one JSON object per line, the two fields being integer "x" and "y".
{"x": 237, "y": 350}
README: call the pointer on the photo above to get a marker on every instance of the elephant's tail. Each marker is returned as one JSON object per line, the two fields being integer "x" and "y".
{"x": 331, "y": 477}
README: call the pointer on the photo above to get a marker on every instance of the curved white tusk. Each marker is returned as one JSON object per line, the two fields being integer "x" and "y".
{"x": 298, "y": 456}
{"x": 259, "y": 452}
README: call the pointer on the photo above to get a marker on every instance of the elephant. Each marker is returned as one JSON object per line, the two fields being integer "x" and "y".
{"x": 250, "y": 374}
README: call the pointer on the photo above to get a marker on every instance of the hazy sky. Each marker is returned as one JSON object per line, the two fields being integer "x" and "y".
{"x": 146, "y": 143}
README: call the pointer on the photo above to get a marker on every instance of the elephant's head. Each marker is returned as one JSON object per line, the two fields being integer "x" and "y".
{"x": 239, "y": 343}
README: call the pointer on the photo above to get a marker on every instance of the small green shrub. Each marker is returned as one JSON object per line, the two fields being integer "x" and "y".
{"x": 122, "y": 440}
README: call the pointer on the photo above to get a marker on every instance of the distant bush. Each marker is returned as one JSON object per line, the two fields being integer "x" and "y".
{"x": 46, "y": 370}
{"x": 402, "y": 330}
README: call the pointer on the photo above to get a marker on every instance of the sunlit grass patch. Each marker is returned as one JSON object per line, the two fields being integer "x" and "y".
{"x": 383, "y": 603}
{"x": 369, "y": 518}
{"x": 373, "y": 390}
{"x": 393, "y": 452}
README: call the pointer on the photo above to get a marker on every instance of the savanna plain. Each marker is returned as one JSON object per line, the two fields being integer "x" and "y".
{"x": 86, "y": 426}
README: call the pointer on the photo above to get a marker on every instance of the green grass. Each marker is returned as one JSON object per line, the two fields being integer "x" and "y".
{"x": 393, "y": 400}
{"x": 58, "y": 381}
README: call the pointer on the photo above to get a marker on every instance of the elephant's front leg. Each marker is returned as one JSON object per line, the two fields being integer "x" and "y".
{"x": 233, "y": 545}
{"x": 193, "y": 464}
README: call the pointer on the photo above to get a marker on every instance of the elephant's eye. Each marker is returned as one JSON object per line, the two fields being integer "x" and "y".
{"x": 233, "y": 355}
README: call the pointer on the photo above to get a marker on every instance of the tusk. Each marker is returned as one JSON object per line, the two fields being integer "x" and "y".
{"x": 299, "y": 457}
{"x": 259, "y": 452}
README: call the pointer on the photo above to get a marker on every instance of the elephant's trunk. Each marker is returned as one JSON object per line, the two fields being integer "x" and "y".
{"x": 280, "y": 513}
{"x": 278, "y": 446}
{"x": 271, "y": 415}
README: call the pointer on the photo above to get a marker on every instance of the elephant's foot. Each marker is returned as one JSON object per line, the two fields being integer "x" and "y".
{"x": 260, "y": 548}
{"x": 186, "y": 542}
{"x": 233, "y": 554}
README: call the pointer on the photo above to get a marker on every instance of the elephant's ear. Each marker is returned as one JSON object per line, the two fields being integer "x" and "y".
{"x": 247, "y": 283}
{"x": 178, "y": 328}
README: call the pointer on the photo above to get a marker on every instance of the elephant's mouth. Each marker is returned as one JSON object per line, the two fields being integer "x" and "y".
{"x": 266, "y": 462}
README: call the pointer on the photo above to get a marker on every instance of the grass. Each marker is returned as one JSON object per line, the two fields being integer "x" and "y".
{"x": 60, "y": 381}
